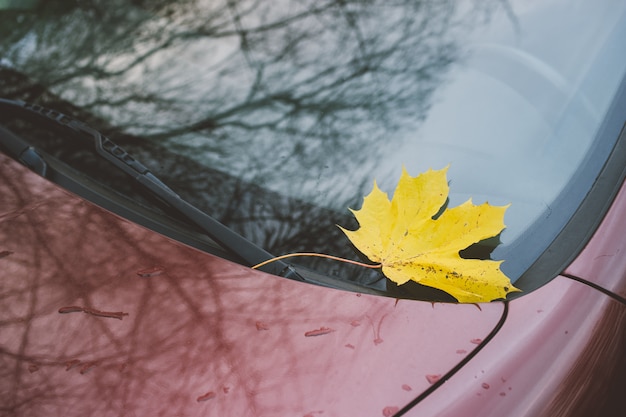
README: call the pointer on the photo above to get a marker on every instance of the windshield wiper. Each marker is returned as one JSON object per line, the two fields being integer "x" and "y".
{"x": 248, "y": 253}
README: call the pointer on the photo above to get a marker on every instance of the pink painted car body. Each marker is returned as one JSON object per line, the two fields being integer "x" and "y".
{"x": 270, "y": 116}
{"x": 103, "y": 317}
{"x": 195, "y": 334}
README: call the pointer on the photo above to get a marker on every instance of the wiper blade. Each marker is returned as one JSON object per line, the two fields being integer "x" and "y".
{"x": 249, "y": 253}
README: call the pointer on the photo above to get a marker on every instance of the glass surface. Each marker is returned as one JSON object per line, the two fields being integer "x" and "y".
{"x": 274, "y": 117}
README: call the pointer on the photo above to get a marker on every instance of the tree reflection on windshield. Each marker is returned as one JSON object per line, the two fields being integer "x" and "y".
{"x": 311, "y": 90}
{"x": 301, "y": 98}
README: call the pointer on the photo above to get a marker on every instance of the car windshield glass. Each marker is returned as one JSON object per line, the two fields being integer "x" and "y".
{"x": 275, "y": 117}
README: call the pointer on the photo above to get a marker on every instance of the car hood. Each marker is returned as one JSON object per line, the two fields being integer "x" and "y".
{"x": 103, "y": 317}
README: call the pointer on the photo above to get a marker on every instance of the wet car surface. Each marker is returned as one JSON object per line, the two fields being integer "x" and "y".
{"x": 103, "y": 317}
{"x": 122, "y": 296}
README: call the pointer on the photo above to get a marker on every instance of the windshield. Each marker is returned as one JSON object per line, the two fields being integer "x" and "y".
{"x": 275, "y": 117}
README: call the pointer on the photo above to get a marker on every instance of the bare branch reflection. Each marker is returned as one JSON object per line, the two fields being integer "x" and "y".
{"x": 199, "y": 335}
{"x": 286, "y": 106}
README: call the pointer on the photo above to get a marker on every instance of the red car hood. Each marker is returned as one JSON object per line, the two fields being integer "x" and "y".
{"x": 102, "y": 317}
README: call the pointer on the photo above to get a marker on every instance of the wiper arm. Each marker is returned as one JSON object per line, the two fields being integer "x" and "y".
{"x": 248, "y": 252}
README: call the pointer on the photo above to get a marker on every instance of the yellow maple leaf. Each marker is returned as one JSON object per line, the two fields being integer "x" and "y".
{"x": 403, "y": 237}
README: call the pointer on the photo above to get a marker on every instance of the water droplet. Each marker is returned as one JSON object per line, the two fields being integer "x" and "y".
{"x": 433, "y": 378}
{"x": 87, "y": 367}
{"x": 406, "y": 387}
{"x": 318, "y": 332}
{"x": 151, "y": 272}
{"x": 205, "y": 397}
{"x": 389, "y": 411}
{"x": 71, "y": 364}
{"x": 261, "y": 326}
{"x": 71, "y": 309}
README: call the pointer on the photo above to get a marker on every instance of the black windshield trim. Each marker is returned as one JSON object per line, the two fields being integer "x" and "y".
{"x": 582, "y": 224}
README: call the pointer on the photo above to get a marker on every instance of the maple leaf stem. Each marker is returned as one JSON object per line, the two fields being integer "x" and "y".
{"x": 319, "y": 255}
